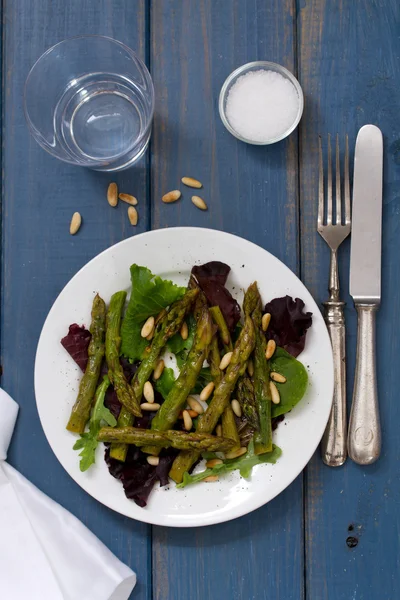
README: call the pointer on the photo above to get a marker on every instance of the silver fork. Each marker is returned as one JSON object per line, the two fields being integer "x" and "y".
{"x": 333, "y": 445}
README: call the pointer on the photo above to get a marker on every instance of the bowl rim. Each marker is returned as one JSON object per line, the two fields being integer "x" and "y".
{"x": 267, "y": 66}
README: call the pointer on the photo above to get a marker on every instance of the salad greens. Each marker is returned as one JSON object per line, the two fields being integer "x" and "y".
{"x": 150, "y": 295}
{"x": 87, "y": 442}
{"x": 296, "y": 384}
{"x": 244, "y": 464}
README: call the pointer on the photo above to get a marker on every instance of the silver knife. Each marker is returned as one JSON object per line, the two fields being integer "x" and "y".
{"x": 364, "y": 437}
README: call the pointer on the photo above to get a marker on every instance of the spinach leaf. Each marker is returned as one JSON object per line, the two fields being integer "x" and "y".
{"x": 295, "y": 387}
{"x": 150, "y": 294}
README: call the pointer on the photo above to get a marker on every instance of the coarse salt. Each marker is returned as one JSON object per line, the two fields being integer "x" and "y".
{"x": 262, "y": 105}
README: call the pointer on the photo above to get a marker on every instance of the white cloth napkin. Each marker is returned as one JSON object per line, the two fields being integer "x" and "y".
{"x": 45, "y": 552}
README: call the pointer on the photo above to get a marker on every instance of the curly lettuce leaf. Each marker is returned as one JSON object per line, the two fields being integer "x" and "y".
{"x": 244, "y": 464}
{"x": 296, "y": 384}
{"x": 150, "y": 295}
{"x": 87, "y": 442}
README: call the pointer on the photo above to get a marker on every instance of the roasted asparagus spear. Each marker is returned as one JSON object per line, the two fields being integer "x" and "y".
{"x": 165, "y": 439}
{"x": 81, "y": 410}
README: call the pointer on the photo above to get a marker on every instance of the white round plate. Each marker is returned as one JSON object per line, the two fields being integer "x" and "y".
{"x": 171, "y": 253}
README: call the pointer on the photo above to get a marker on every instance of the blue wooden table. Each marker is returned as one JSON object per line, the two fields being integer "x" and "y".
{"x": 346, "y": 54}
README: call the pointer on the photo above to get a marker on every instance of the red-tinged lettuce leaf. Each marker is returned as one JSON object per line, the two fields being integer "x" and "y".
{"x": 137, "y": 476}
{"x": 211, "y": 278}
{"x": 76, "y": 343}
{"x": 289, "y": 323}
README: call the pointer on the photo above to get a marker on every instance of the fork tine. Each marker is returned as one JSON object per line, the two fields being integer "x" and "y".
{"x": 338, "y": 191}
{"x": 329, "y": 184}
{"x": 347, "y": 184}
{"x": 320, "y": 186}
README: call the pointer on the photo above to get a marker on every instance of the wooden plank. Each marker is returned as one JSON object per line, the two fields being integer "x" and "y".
{"x": 251, "y": 191}
{"x": 40, "y": 195}
{"x": 349, "y": 68}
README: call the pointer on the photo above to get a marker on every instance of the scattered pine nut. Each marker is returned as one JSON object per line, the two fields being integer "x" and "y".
{"x": 211, "y": 478}
{"x": 236, "y": 453}
{"x": 218, "y": 430}
{"x": 237, "y": 409}
{"x": 213, "y": 462}
{"x": 184, "y": 331}
{"x": 250, "y": 368}
{"x": 112, "y": 194}
{"x": 148, "y": 392}
{"x": 151, "y": 334}
{"x": 192, "y": 413}
{"x": 159, "y": 369}
{"x": 195, "y": 405}
{"x": 265, "y": 321}
{"x": 207, "y": 391}
{"x": 190, "y": 182}
{"x": 275, "y": 397}
{"x": 133, "y": 215}
{"x": 171, "y": 196}
{"x": 278, "y": 377}
{"x": 187, "y": 420}
{"x": 150, "y": 406}
{"x": 147, "y": 327}
{"x": 271, "y": 347}
{"x": 226, "y": 359}
{"x": 128, "y": 199}
{"x": 76, "y": 222}
{"x": 153, "y": 460}
{"x": 199, "y": 202}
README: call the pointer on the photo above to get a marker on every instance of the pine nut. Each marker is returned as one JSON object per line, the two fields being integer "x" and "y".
{"x": 192, "y": 413}
{"x": 153, "y": 460}
{"x": 187, "y": 420}
{"x": 218, "y": 431}
{"x": 76, "y": 222}
{"x": 226, "y": 359}
{"x": 128, "y": 199}
{"x": 271, "y": 347}
{"x": 213, "y": 462}
{"x": 195, "y": 405}
{"x": 199, "y": 202}
{"x": 236, "y": 453}
{"x": 265, "y": 321}
{"x": 207, "y": 391}
{"x": 158, "y": 370}
{"x": 210, "y": 478}
{"x": 132, "y": 215}
{"x": 112, "y": 194}
{"x": 147, "y": 327}
{"x": 190, "y": 182}
{"x": 237, "y": 409}
{"x": 171, "y": 196}
{"x": 250, "y": 368}
{"x": 151, "y": 334}
{"x": 275, "y": 397}
{"x": 150, "y": 406}
{"x": 278, "y": 377}
{"x": 148, "y": 392}
{"x": 184, "y": 331}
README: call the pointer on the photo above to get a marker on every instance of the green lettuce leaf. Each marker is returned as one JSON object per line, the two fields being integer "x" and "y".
{"x": 244, "y": 464}
{"x": 180, "y": 347}
{"x": 165, "y": 383}
{"x": 150, "y": 294}
{"x": 296, "y": 384}
{"x": 87, "y": 442}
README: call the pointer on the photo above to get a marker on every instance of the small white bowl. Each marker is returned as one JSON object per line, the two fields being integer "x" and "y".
{"x": 257, "y": 66}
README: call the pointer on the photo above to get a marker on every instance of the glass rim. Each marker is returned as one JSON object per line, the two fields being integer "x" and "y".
{"x": 266, "y": 65}
{"x": 43, "y": 143}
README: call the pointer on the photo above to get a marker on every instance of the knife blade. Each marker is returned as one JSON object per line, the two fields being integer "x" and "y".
{"x": 364, "y": 436}
{"x": 366, "y": 230}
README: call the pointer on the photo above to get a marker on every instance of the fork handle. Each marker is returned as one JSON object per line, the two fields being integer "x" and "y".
{"x": 333, "y": 445}
{"x": 364, "y": 429}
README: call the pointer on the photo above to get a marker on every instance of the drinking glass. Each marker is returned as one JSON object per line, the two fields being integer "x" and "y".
{"x": 89, "y": 101}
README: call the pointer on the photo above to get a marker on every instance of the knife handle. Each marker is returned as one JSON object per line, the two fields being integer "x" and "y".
{"x": 364, "y": 441}
{"x": 334, "y": 441}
